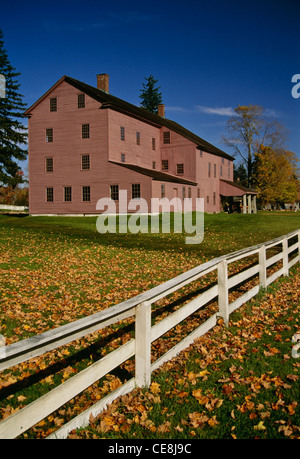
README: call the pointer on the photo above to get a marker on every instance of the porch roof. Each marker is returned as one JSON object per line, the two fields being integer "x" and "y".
{"x": 155, "y": 174}
{"x": 228, "y": 188}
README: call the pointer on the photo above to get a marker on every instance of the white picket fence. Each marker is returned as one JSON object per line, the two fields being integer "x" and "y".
{"x": 14, "y": 208}
{"x": 287, "y": 250}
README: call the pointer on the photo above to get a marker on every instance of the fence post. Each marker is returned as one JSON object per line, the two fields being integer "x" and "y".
{"x": 223, "y": 291}
{"x": 143, "y": 345}
{"x": 285, "y": 256}
{"x": 262, "y": 267}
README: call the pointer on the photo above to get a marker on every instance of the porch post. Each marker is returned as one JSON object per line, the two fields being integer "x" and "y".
{"x": 254, "y": 204}
{"x": 249, "y": 204}
{"x": 244, "y": 204}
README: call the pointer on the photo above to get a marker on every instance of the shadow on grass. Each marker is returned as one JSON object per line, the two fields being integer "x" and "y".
{"x": 93, "y": 351}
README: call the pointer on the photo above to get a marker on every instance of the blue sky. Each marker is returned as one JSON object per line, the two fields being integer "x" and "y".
{"x": 209, "y": 56}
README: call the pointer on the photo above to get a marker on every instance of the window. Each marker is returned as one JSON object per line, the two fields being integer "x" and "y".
{"x": 163, "y": 191}
{"x": 53, "y": 104}
{"x": 153, "y": 164}
{"x": 138, "y": 138}
{"x": 228, "y": 172}
{"x": 49, "y": 194}
{"x": 189, "y": 192}
{"x": 49, "y": 164}
{"x": 215, "y": 170}
{"x": 136, "y": 190}
{"x": 180, "y": 168}
{"x": 166, "y": 137}
{"x": 221, "y": 171}
{"x": 183, "y": 192}
{"x": 49, "y": 135}
{"x": 207, "y": 199}
{"x": 85, "y": 130}
{"x": 122, "y": 157}
{"x": 201, "y": 153}
{"x": 122, "y": 133}
{"x": 67, "y": 193}
{"x": 209, "y": 169}
{"x": 214, "y": 199}
{"x": 165, "y": 165}
{"x": 86, "y": 193}
{"x": 81, "y": 100}
{"x": 114, "y": 192}
{"x": 85, "y": 162}
{"x": 198, "y": 193}
{"x": 153, "y": 143}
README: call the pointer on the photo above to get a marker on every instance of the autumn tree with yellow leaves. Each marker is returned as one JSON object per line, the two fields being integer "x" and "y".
{"x": 275, "y": 175}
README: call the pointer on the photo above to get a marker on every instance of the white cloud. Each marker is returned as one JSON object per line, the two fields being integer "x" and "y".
{"x": 222, "y": 111}
{"x": 170, "y": 108}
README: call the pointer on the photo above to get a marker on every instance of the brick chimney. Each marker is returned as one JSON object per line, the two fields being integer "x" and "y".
{"x": 161, "y": 110}
{"x": 103, "y": 82}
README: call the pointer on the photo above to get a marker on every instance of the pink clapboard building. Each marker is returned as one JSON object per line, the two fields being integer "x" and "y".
{"x": 85, "y": 144}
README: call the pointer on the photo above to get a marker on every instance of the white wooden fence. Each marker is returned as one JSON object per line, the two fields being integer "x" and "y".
{"x": 287, "y": 250}
{"x": 15, "y": 208}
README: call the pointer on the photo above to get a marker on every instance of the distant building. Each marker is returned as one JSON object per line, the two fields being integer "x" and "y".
{"x": 85, "y": 144}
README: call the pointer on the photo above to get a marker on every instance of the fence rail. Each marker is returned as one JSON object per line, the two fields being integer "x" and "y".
{"x": 288, "y": 253}
{"x": 11, "y": 207}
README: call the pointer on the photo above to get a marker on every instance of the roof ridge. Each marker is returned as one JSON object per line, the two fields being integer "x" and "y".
{"x": 207, "y": 146}
{"x": 114, "y": 102}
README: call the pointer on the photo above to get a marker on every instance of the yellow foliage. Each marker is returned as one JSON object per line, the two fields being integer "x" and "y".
{"x": 276, "y": 175}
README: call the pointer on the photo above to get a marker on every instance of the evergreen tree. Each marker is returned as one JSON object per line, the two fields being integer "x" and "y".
{"x": 12, "y": 132}
{"x": 150, "y": 95}
{"x": 240, "y": 174}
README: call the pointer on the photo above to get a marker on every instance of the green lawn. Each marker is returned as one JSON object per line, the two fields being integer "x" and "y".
{"x": 55, "y": 270}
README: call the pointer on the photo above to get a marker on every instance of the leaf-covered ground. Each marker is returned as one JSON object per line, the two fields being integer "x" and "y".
{"x": 56, "y": 270}
{"x": 236, "y": 382}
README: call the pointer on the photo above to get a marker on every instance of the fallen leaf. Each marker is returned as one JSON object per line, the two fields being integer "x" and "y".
{"x": 155, "y": 388}
{"x": 260, "y": 426}
{"x": 287, "y": 431}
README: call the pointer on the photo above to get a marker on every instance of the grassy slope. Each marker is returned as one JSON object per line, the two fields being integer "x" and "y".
{"x": 54, "y": 270}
